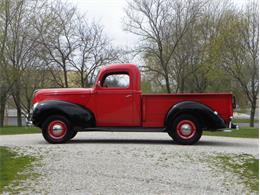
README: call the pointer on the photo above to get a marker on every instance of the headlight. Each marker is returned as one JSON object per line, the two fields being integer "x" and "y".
{"x": 35, "y": 105}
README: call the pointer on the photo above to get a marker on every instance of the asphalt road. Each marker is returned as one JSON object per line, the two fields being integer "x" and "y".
{"x": 130, "y": 163}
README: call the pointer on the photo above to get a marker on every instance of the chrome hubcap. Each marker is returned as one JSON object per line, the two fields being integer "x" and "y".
{"x": 57, "y": 129}
{"x": 186, "y": 129}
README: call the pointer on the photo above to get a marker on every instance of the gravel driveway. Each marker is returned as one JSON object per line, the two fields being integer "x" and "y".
{"x": 130, "y": 163}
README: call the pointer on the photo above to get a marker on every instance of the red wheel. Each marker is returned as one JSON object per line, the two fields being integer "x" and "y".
{"x": 185, "y": 129}
{"x": 56, "y": 129}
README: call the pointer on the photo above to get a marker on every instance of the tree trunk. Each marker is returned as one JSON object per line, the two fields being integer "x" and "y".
{"x": 65, "y": 73}
{"x": 167, "y": 84}
{"x": 66, "y": 78}
{"x": 182, "y": 85}
{"x": 2, "y": 110}
{"x": 82, "y": 79}
{"x": 18, "y": 107}
{"x": 252, "y": 113}
{"x": 17, "y": 100}
{"x": 19, "y": 116}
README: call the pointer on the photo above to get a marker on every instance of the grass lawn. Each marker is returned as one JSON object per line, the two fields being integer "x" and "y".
{"x": 10, "y": 130}
{"x": 10, "y": 165}
{"x": 247, "y": 132}
{"x": 245, "y": 166}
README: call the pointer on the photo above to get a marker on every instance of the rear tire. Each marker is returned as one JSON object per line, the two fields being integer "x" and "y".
{"x": 57, "y": 129}
{"x": 185, "y": 130}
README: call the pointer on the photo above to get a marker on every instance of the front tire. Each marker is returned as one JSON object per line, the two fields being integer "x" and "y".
{"x": 56, "y": 129}
{"x": 185, "y": 129}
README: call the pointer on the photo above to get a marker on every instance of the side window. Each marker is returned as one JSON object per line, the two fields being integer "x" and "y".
{"x": 116, "y": 80}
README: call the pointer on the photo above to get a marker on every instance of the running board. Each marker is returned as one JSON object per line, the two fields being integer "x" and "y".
{"x": 124, "y": 129}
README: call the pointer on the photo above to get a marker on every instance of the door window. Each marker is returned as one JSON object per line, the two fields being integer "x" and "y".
{"x": 120, "y": 80}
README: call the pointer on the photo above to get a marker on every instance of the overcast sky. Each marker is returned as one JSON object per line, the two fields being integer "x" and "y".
{"x": 110, "y": 14}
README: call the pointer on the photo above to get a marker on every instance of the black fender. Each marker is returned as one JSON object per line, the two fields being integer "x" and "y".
{"x": 206, "y": 116}
{"x": 79, "y": 116}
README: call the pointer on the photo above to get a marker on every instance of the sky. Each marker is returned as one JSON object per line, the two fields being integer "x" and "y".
{"x": 110, "y": 14}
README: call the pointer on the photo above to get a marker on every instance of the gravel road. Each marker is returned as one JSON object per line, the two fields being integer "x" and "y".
{"x": 130, "y": 163}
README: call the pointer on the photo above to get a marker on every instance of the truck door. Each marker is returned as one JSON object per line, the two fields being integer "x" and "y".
{"x": 114, "y": 100}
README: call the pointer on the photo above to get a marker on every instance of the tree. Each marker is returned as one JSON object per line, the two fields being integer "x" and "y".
{"x": 94, "y": 50}
{"x": 4, "y": 87}
{"x": 21, "y": 41}
{"x": 72, "y": 44}
{"x": 161, "y": 25}
{"x": 195, "y": 66}
{"x": 238, "y": 49}
{"x": 56, "y": 27}
{"x": 18, "y": 48}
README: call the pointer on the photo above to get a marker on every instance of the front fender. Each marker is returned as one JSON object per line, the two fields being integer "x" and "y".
{"x": 76, "y": 114}
{"x": 206, "y": 116}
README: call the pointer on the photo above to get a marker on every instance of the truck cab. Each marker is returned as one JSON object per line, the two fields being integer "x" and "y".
{"x": 116, "y": 103}
{"x": 117, "y": 96}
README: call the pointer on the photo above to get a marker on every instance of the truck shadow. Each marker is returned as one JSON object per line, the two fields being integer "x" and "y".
{"x": 225, "y": 143}
{"x": 155, "y": 142}
{"x": 121, "y": 141}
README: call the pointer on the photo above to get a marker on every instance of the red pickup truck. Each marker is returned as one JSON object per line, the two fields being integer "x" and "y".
{"x": 116, "y": 103}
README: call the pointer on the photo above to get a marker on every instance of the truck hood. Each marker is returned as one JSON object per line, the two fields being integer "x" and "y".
{"x": 65, "y": 94}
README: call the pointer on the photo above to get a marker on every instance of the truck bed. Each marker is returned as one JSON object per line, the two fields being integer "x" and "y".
{"x": 154, "y": 106}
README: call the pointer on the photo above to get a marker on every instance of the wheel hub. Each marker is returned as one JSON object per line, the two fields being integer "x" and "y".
{"x": 57, "y": 129}
{"x": 186, "y": 129}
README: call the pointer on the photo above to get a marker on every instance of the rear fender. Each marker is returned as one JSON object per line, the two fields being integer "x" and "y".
{"x": 209, "y": 120}
{"x": 78, "y": 115}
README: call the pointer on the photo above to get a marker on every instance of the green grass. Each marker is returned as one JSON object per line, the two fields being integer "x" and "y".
{"x": 11, "y": 130}
{"x": 10, "y": 165}
{"x": 247, "y": 132}
{"x": 245, "y": 166}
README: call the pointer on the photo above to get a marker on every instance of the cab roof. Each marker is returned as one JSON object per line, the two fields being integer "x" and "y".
{"x": 133, "y": 67}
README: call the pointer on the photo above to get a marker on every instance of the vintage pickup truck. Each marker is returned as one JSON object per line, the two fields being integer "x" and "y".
{"x": 116, "y": 103}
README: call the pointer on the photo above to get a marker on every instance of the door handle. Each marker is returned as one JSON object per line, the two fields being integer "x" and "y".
{"x": 128, "y": 96}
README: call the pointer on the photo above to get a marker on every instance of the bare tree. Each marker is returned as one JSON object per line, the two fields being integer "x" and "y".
{"x": 72, "y": 45}
{"x": 239, "y": 51}
{"x": 57, "y": 27}
{"x": 193, "y": 64}
{"x": 19, "y": 46}
{"x": 94, "y": 49}
{"x": 161, "y": 25}
{"x": 4, "y": 87}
